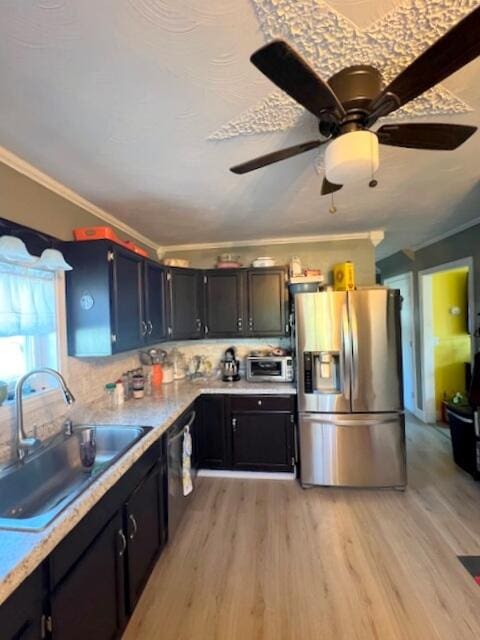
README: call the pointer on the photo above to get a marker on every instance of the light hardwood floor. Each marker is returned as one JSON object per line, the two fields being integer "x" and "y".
{"x": 266, "y": 560}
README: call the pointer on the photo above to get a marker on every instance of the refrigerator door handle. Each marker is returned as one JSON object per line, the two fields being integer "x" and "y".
{"x": 346, "y": 353}
{"x": 361, "y": 423}
{"x": 354, "y": 331}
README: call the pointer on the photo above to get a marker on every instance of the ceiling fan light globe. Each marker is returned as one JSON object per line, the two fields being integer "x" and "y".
{"x": 352, "y": 157}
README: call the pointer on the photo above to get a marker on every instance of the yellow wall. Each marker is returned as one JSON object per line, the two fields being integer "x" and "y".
{"x": 452, "y": 349}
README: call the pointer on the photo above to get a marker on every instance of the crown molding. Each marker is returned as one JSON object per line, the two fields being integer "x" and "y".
{"x": 22, "y": 166}
{"x": 410, "y": 251}
{"x": 375, "y": 238}
{"x": 442, "y": 236}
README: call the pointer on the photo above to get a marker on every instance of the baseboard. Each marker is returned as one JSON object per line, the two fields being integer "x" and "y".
{"x": 246, "y": 475}
{"x": 420, "y": 414}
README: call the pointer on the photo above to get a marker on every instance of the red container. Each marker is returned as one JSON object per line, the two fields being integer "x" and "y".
{"x": 95, "y": 233}
{"x": 106, "y": 233}
{"x": 135, "y": 248}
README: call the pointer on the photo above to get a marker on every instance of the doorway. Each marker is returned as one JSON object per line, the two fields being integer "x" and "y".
{"x": 404, "y": 282}
{"x": 446, "y": 321}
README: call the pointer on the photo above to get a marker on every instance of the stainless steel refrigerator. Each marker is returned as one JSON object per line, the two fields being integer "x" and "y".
{"x": 350, "y": 402}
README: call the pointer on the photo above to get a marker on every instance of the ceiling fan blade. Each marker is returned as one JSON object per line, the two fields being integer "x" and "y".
{"x": 285, "y": 68}
{"x": 451, "y": 52}
{"x": 329, "y": 187}
{"x": 425, "y": 136}
{"x": 276, "y": 156}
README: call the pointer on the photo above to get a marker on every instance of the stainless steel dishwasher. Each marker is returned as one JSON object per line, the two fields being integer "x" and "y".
{"x": 177, "y": 501}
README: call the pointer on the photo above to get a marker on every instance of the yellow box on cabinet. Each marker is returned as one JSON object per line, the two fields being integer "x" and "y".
{"x": 344, "y": 276}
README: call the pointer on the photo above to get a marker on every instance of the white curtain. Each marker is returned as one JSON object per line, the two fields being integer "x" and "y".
{"x": 27, "y": 301}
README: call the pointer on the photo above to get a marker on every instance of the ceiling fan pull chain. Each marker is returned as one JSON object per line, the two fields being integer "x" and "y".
{"x": 333, "y": 208}
{"x": 373, "y": 183}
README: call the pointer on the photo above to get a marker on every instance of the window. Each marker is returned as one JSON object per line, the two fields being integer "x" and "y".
{"x": 28, "y": 323}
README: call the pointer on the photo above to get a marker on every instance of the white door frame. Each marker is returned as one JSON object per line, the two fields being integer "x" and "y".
{"x": 426, "y": 329}
{"x": 390, "y": 282}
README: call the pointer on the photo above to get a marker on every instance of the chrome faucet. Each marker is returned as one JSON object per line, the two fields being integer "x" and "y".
{"x": 24, "y": 444}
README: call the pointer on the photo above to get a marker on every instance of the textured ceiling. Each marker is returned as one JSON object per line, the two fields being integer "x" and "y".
{"x": 142, "y": 105}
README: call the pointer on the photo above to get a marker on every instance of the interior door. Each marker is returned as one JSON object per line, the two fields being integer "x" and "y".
{"x": 404, "y": 284}
{"x": 356, "y": 450}
{"x": 376, "y": 350}
{"x": 224, "y": 303}
{"x": 322, "y": 327}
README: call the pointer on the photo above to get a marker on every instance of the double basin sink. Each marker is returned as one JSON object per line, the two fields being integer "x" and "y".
{"x": 33, "y": 492}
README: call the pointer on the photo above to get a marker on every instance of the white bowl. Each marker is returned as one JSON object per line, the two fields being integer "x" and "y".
{"x": 263, "y": 261}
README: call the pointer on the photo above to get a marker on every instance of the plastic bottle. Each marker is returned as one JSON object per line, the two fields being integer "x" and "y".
{"x": 110, "y": 391}
{"x": 119, "y": 393}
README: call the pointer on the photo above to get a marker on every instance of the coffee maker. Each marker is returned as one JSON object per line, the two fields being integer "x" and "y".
{"x": 230, "y": 366}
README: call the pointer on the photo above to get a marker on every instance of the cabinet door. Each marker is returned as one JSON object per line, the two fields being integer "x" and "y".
{"x": 186, "y": 304}
{"x": 262, "y": 441}
{"x": 267, "y": 299}
{"x": 21, "y": 613}
{"x": 90, "y": 600}
{"x": 224, "y": 303}
{"x": 213, "y": 445}
{"x": 127, "y": 301}
{"x": 155, "y": 302}
{"x": 143, "y": 525}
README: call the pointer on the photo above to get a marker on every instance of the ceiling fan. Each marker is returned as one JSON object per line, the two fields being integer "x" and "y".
{"x": 352, "y": 100}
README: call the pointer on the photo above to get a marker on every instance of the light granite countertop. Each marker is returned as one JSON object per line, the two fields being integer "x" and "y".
{"x": 21, "y": 552}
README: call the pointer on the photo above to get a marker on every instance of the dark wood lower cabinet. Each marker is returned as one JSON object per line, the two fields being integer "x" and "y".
{"x": 90, "y": 602}
{"x": 212, "y": 434}
{"x": 251, "y": 433}
{"x": 262, "y": 441}
{"x": 143, "y": 528}
{"x": 21, "y": 615}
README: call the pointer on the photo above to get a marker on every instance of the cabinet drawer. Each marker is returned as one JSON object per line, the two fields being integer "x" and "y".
{"x": 262, "y": 403}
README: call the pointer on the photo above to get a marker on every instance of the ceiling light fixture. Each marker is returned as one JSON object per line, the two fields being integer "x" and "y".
{"x": 352, "y": 157}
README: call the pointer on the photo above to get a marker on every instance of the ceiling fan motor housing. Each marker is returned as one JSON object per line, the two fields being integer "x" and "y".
{"x": 356, "y": 86}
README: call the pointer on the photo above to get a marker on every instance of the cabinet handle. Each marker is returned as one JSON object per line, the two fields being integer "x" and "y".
{"x": 144, "y": 328}
{"x": 239, "y": 324}
{"x": 134, "y": 525}
{"x": 234, "y": 424}
{"x": 199, "y": 324}
{"x": 123, "y": 540}
{"x": 250, "y": 324}
{"x": 149, "y": 327}
{"x": 260, "y": 403}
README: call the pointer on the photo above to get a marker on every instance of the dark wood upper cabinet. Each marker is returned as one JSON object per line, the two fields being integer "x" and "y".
{"x": 155, "y": 283}
{"x": 186, "y": 303}
{"x": 89, "y": 601}
{"x": 127, "y": 300}
{"x": 267, "y": 302}
{"x": 118, "y": 301}
{"x": 225, "y": 299}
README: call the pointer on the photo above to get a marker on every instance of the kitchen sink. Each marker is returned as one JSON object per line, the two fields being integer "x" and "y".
{"x": 33, "y": 492}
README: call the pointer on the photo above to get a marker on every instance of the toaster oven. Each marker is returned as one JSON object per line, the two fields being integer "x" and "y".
{"x": 269, "y": 369}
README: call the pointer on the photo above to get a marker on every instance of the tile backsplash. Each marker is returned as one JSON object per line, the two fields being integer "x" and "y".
{"x": 87, "y": 378}
{"x": 213, "y": 350}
